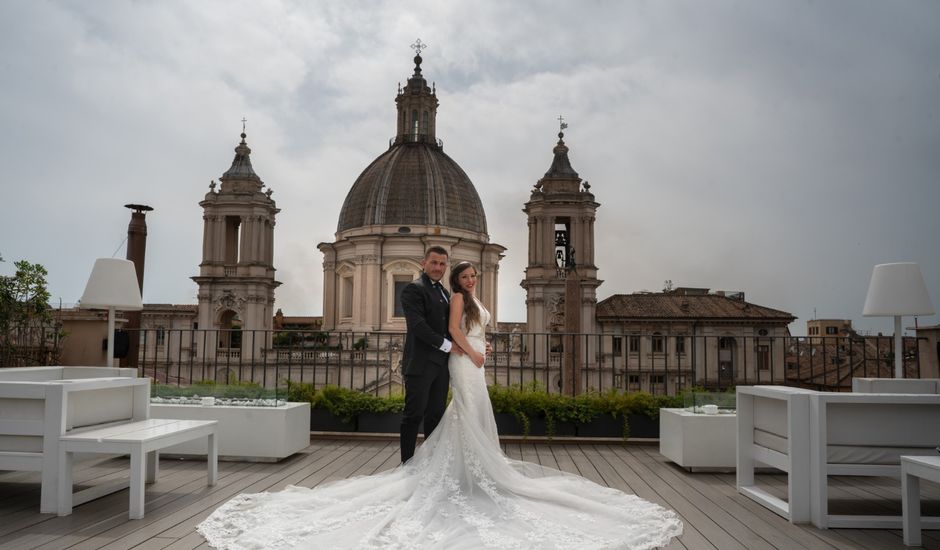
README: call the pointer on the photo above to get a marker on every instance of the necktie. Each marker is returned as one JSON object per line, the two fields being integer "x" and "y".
{"x": 440, "y": 288}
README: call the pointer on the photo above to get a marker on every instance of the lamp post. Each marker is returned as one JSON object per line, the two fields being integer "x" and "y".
{"x": 112, "y": 285}
{"x": 896, "y": 290}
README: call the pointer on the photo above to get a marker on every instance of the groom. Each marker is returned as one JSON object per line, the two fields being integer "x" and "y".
{"x": 427, "y": 344}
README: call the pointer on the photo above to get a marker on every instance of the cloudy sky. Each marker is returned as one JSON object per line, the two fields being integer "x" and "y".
{"x": 778, "y": 148}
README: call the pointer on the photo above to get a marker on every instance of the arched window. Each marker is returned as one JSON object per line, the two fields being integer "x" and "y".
{"x": 424, "y": 124}
{"x": 230, "y": 325}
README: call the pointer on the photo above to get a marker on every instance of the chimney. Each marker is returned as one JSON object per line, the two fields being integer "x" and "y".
{"x": 136, "y": 251}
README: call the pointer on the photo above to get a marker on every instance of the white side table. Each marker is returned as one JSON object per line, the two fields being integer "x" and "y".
{"x": 913, "y": 469}
{"x": 694, "y": 440}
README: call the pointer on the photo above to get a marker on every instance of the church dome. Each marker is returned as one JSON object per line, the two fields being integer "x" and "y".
{"x": 413, "y": 183}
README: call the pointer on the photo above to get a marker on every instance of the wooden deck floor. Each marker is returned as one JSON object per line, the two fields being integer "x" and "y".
{"x": 715, "y": 516}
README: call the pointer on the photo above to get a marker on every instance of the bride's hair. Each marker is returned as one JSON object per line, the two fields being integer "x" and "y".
{"x": 470, "y": 308}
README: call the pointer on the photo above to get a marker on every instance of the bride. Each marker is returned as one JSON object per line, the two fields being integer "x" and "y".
{"x": 459, "y": 491}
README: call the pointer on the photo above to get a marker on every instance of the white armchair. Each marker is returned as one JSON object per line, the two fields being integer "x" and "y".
{"x": 773, "y": 430}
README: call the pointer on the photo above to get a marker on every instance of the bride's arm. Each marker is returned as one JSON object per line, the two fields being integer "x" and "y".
{"x": 456, "y": 334}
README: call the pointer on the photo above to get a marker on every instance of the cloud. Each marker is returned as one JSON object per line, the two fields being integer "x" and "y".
{"x": 780, "y": 148}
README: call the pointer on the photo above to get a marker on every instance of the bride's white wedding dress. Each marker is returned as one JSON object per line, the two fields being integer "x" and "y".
{"x": 459, "y": 491}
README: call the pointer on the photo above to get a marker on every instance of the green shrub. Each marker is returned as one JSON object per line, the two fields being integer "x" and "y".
{"x": 522, "y": 401}
{"x": 342, "y": 402}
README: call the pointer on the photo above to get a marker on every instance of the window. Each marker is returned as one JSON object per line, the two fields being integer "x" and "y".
{"x": 634, "y": 344}
{"x": 617, "y": 345}
{"x": 161, "y": 336}
{"x": 680, "y": 344}
{"x": 424, "y": 123}
{"x": 763, "y": 357}
{"x": 400, "y": 284}
{"x": 658, "y": 343}
{"x": 346, "y": 302}
{"x": 725, "y": 342}
{"x": 232, "y": 238}
{"x": 633, "y": 381}
{"x": 657, "y": 379}
{"x": 832, "y": 330}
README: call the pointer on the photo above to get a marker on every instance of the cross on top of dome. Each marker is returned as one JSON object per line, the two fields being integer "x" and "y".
{"x": 417, "y": 47}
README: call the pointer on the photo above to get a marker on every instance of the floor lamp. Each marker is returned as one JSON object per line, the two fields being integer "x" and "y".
{"x": 896, "y": 290}
{"x": 112, "y": 285}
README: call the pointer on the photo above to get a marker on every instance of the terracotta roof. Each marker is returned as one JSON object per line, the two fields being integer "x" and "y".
{"x": 677, "y": 306}
{"x": 152, "y": 308}
{"x": 300, "y": 320}
{"x": 831, "y": 364}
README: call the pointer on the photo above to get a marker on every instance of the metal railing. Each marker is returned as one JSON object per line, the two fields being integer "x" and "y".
{"x": 663, "y": 364}
{"x": 31, "y": 345}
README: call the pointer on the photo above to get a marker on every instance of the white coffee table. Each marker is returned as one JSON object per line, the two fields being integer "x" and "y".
{"x": 913, "y": 469}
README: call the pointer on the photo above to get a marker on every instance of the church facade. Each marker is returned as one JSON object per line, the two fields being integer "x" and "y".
{"x": 413, "y": 196}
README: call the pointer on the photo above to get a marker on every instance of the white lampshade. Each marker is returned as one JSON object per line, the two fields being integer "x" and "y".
{"x": 113, "y": 283}
{"x": 897, "y": 289}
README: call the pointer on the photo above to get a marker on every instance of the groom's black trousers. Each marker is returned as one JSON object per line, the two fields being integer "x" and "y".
{"x": 425, "y": 399}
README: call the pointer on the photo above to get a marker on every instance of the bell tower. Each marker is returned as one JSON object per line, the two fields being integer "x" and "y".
{"x": 561, "y": 212}
{"x": 236, "y": 276}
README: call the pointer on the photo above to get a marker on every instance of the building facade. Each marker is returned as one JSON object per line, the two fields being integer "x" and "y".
{"x": 664, "y": 341}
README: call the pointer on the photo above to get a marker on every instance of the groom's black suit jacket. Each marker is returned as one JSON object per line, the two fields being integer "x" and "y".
{"x": 426, "y": 314}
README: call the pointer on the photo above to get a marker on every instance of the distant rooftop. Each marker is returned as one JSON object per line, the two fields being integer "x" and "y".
{"x": 675, "y": 305}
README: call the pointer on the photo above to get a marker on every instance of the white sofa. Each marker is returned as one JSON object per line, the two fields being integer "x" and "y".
{"x": 40, "y": 404}
{"x": 865, "y": 434}
{"x": 773, "y": 430}
{"x": 812, "y": 435}
{"x": 896, "y": 385}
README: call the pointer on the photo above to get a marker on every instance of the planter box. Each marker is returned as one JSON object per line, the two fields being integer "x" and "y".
{"x": 322, "y": 420}
{"x": 259, "y": 434}
{"x": 562, "y": 429}
{"x": 643, "y": 426}
{"x": 603, "y": 425}
{"x": 370, "y": 422}
{"x": 507, "y": 424}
